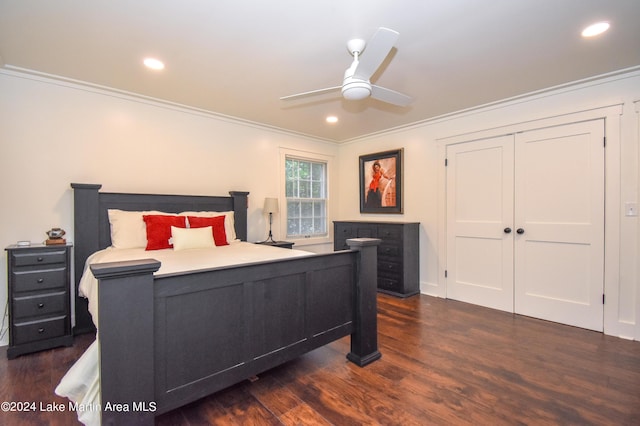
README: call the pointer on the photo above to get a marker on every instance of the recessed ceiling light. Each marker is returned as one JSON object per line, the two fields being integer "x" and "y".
{"x": 332, "y": 119}
{"x": 595, "y": 29}
{"x": 153, "y": 63}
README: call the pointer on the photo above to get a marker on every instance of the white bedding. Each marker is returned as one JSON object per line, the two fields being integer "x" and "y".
{"x": 180, "y": 261}
{"x": 81, "y": 384}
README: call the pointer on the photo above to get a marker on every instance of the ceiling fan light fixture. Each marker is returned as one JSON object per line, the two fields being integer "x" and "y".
{"x": 356, "y": 90}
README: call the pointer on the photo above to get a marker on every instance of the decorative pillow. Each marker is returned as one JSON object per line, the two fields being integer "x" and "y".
{"x": 185, "y": 238}
{"x": 128, "y": 229}
{"x": 159, "y": 230}
{"x": 217, "y": 225}
{"x": 229, "y": 222}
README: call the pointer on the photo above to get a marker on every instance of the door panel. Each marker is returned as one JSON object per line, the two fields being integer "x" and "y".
{"x": 479, "y": 208}
{"x": 559, "y": 203}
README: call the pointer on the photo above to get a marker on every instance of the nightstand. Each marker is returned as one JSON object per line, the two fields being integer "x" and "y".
{"x": 283, "y": 244}
{"x": 39, "y": 298}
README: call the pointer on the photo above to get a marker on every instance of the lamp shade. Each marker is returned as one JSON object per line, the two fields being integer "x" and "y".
{"x": 270, "y": 205}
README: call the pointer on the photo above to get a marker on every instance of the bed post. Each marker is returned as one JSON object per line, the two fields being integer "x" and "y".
{"x": 364, "y": 340}
{"x": 240, "y": 206}
{"x": 125, "y": 297}
{"x": 85, "y": 235}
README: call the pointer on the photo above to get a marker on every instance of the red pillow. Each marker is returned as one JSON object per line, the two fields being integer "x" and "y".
{"x": 216, "y": 224}
{"x": 159, "y": 230}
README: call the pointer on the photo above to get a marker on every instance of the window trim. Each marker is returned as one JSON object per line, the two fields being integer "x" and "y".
{"x": 314, "y": 157}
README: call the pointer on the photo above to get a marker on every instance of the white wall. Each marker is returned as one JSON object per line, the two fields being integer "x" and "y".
{"x": 54, "y": 133}
{"x": 424, "y": 187}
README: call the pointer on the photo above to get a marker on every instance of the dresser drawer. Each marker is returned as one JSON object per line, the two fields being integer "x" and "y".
{"x": 34, "y": 258}
{"x": 387, "y": 250}
{"x": 39, "y": 280}
{"x": 343, "y": 232}
{"x": 390, "y": 233}
{"x": 25, "y": 332}
{"x": 389, "y": 269}
{"x": 389, "y": 284}
{"x": 38, "y": 305}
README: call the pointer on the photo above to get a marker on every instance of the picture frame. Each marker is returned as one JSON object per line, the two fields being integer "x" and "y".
{"x": 381, "y": 182}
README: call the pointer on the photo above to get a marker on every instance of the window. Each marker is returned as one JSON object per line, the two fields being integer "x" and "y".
{"x": 306, "y": 193}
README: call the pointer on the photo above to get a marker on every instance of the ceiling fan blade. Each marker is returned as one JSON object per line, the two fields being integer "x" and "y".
{"x": 390, "y": 96}
{"x": 375, "y": 52}
{"x": 311, "y": 93}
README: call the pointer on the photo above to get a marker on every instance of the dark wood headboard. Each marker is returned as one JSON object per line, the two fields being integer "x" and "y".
{"x": 92, "y": 231}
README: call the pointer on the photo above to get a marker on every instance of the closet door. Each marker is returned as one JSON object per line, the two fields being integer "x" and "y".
{"x": 525, "y": 223}
{"x": 559, "y": 223}
{"x": 479, "y": 221}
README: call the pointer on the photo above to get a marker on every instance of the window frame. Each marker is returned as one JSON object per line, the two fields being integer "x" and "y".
{"x": 314, "y": 158}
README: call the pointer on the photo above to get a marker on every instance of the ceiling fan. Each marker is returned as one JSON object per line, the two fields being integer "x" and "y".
{"x": 356, "y": 84}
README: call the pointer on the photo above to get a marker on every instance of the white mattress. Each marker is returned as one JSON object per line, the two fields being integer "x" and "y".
{"x": 81, "y": 384}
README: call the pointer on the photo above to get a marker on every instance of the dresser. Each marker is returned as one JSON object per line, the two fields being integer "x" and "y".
{"x": 398, "y": 253}
{"x": 39, "y": 298}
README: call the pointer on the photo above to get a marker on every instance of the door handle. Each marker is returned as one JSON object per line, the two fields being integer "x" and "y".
{"x": 507, "y": 230}
{"x": 520, "y": 231}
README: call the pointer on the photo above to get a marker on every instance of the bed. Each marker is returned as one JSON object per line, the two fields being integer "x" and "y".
{"x": 168, "y": 339}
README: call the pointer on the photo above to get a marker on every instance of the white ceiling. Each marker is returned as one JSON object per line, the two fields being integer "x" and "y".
{"x": 238, "y": 57}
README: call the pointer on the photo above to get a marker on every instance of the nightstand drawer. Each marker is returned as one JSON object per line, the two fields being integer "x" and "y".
{"x": 38, "y": 305}
{"x": 31, "y": 331}
{"x": 34, "y": 258}
{"x": 39, "y": 280}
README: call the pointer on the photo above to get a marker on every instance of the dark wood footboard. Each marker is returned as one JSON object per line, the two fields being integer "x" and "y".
{"x": 171, "y": 340}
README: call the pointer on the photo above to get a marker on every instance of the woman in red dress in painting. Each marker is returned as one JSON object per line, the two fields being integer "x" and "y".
{"x": 374, "y": 196}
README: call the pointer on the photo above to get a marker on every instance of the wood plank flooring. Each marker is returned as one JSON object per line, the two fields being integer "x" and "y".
{"x": 443, "y": 363}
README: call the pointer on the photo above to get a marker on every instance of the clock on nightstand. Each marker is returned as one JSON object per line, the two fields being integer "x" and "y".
{"x": 39, "y": 297}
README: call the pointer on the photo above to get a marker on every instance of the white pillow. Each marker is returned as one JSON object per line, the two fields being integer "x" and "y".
{"x": 190, "y": 238}
{"x": 229, "y": 221}
{"x": 128, "y": 229}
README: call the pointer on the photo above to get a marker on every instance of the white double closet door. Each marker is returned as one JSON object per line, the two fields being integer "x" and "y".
{"x": 525, "y": 223}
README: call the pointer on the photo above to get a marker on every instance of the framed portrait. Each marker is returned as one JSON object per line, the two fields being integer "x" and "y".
{"x": 381, "y": 182}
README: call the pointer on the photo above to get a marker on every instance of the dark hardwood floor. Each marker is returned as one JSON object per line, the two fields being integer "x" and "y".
{"x": 443, "y": 362}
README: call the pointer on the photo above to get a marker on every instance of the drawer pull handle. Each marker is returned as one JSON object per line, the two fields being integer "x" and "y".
{"x": 40, "y": 305}
{"x": 40, "y": 280}
{"x": 40, "y": 259}
{"x": 41, "y": 330}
